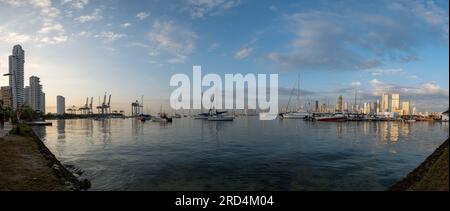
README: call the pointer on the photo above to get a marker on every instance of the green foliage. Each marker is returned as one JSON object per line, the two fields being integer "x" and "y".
{"x": 22, "y": 130}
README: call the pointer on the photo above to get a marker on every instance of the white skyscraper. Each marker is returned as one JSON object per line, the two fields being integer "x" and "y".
{"x": 395, "y": 103}
{"x": 60, "y": 105}
{"x": 16, "y": 77}
{"x": 385, "y": 102}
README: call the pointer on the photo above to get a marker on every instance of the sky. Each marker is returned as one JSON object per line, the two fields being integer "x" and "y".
{"x": 84, "y": 48}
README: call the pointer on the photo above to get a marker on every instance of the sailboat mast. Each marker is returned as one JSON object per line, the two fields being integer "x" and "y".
{"x": 298, "y": 93}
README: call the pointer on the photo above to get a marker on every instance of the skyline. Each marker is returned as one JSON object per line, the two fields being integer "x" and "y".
{"x": 130, "y": 50}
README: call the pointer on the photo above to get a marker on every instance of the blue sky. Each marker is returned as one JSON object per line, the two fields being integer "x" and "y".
{"x": 82, "y": 48}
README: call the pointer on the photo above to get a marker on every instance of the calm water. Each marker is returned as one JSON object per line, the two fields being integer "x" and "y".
{"x": 247, "y": 154}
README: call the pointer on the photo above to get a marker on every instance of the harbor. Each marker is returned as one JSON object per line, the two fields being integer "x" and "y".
{"x": 245, "y": 154}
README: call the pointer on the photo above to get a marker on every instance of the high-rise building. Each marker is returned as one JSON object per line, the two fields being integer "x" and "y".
{"x": 316, "y": 108}
{"x": 27, "y": 96}
{"x": 35, "y": 94}
{"x": 385, "y": 102}
{"x": 346, "y": 107}
{"x": 6, "y": 96}
{"x": 414, "y": 111}
{"x": 395, "y": 102}
{"x": 366, "y": 108}
{"x": 42, "y": 101}
{"x": 60, "y": 105}
{"x": 377, "y": 106}
{"x": 374, "y": 108}
{"x": 16, "y": 76}
{"x": 405, "y": 108}
{"x": 340, "y": 105}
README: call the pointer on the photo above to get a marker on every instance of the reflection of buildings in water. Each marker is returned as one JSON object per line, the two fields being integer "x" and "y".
{"x": 41, "y": 131}
{"x": 366, "y": 127}
{"x": 105, "y": 131}
{"x": 339, "y": 129}
{"x": 394, "y": 132}
{"x": 382, "y": 131}
{"x": 136, "y": 127}
{"x": 88, "y": 127}
{"x": 61, "y": 129}
{"x": 405, "y": 129}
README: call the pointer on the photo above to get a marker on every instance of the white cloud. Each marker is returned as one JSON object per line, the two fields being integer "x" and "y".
{"x": 142, "y": 15}
{"x": 95, "y": 16}
{"x": 14, "y": 38}
{"x": 361, "y": 40}
{"x": 76, "y": 4}
{"x": 383, "y": 72}
{"x": 202, "y": 8}
{"x": 47, "y": 27}
{"x": 109, "y": 36}
{"x": 356, "y": 83}
{"x": 50, "y": 32}
{"x": 173, "y": 39}
{"x": 243, "y": 53}
{"x": 125, "y": 25}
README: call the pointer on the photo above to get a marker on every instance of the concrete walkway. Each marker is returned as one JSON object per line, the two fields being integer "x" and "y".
{"x": 4, "y": 131}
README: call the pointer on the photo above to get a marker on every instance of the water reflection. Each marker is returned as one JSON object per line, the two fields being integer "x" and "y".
{"x": 246, "y": 154}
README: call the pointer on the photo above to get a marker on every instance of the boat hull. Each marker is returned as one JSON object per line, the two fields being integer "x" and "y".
{"x": 220, "y": 119}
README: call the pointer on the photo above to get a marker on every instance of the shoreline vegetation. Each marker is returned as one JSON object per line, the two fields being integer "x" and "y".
{"x": 26, "y": 164}
{"x": 431, "y": 175}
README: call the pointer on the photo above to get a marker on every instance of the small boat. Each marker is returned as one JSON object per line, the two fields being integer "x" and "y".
{"x": 177, "y": 116}
{"x": 202, "y": 116}
{"x": 220, "y": 118}
{"x": 162, "y": 117}
{"x": 39, "y": 123}
{"x": 300, "y": 114}
{"x": 336, "y": 117}
{"x": 144, "y": 117}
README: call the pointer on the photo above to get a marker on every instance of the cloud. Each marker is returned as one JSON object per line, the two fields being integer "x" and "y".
{"x": 213, "y": 46}
{"x": 359, "y": 40}
{"x": 273, "y": 8}
{"x": 94, "y": 16}
{"x": 429, "y": 88}
{"x": 202, "y": 8}
{"x": 414, "y": 77}
{"x": 243, "y": 53}
{"x": 125, "y": 25}
{"x": 142, "y": 15}
{"x": 109, "y": 36}
{"x": 50, "y": 32}
{"x": 383, "y": 72}
{"x": 172, "y": 39}
{"x": 76, "y": 4}
{"x": 14, "y": 38}
{"x": 356, "y": 83}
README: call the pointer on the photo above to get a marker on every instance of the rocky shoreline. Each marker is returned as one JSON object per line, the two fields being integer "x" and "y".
{"x": 60, "y": 170}
{"x": 28, "y": 165}
{"x": 431, "y": 175}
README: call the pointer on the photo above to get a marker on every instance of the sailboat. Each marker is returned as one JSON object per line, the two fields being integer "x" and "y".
{"x": 215, "y": 115}
{"x": 299, "y": 113}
